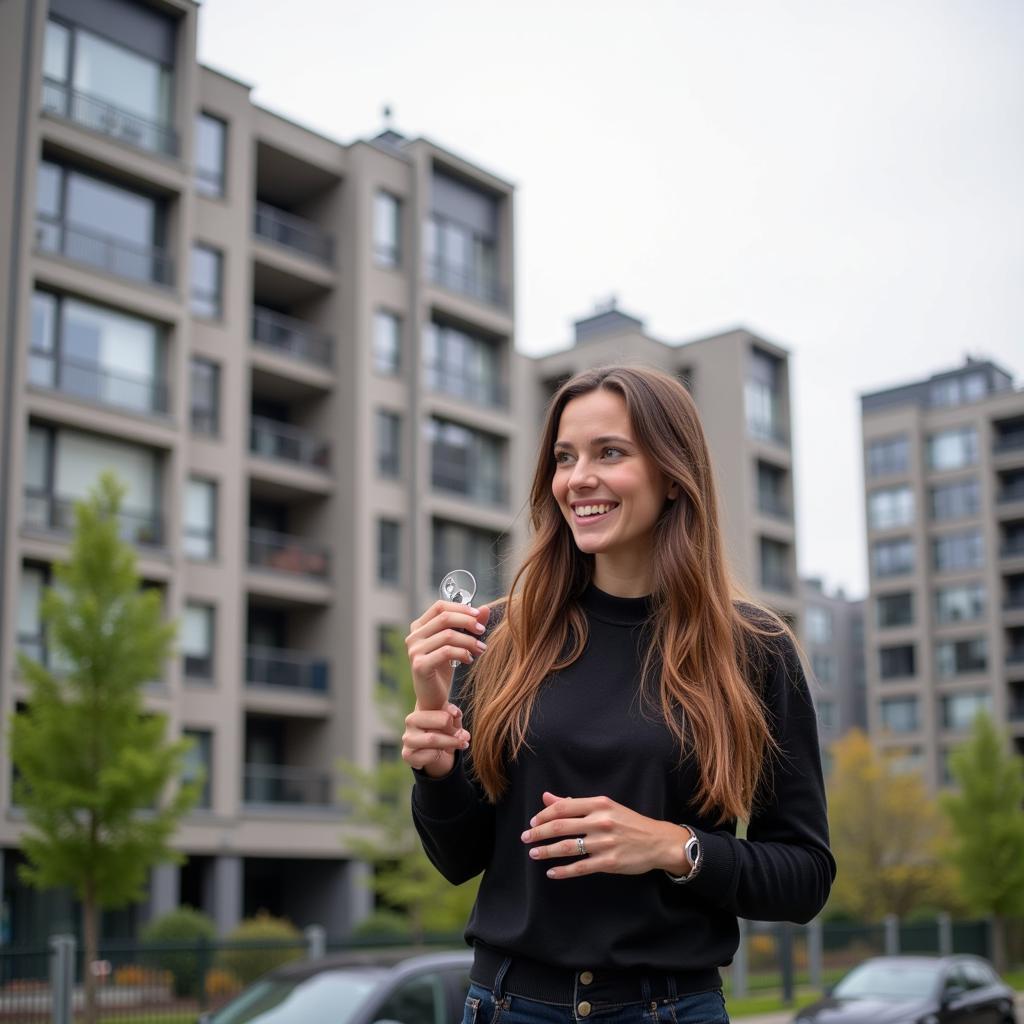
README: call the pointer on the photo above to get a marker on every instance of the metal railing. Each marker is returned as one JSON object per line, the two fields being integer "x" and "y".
{"x": 471, "y": 281}
{"x": 100, "y": 116}
{"x": 292, "y": 232}
{"x": 295, "y": 337}
{"x": 284, "y": 553}
{"x": 457, "y": 382}
{"x": 107, "y": 252}
{"x": 279, "y": 784}
{"x": 277, "y": 440}
{"x": 47, "y": 510}
{"x": 292, "y": 670}
{"x": 94, "y": 381}
{"x": 1009, "y": 441}
{"x": 1012, "y": 492}
{"x": 457, "y": 479}
{"x": 1012, "y": 548}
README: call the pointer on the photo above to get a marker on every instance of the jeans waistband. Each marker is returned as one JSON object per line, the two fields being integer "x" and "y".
{"x": 598, "y": 986}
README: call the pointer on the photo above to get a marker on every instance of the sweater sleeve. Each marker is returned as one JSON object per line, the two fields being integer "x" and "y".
{"x": 783, "y": 870}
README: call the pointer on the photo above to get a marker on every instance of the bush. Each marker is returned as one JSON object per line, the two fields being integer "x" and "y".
{"x": 137, "y": 976}
{"x": 259, "y": 944}
{"x": 383, "y": 924}
{"x": 220, "y": 984}
{"x": 184, "y": 927}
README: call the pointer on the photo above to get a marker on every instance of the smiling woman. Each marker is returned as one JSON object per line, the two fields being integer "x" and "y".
{"x": 628, "y": 708}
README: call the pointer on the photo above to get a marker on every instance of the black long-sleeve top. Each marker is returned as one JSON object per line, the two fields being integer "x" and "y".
{"x": 589, "y": 735}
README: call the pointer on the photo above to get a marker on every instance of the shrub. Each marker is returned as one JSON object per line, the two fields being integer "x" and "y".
{"x": 185, "y": 930}
{"x": 259, "y": 944}
{"x": 220, "y": 983}
{"x": 383, "y": 924}
{"x": 139, "y": 976}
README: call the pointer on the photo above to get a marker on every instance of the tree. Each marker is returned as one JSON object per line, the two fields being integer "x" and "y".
{"x": 379, "y": 801}
{"x": 95, "y": 769}
{"x": 986, "y": 817}
{"x": 886, "y": 833}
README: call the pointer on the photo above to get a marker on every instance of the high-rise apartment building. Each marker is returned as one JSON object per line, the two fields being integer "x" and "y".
{"x": 944, "y": 626}
{"x": 298, "y": 357}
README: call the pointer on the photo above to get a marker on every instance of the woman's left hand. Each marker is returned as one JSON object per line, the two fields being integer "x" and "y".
{"x": 617, "y": 839}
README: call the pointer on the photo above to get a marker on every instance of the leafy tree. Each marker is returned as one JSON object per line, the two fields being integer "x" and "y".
{"x": 986, "y": 818}
{"x": 887, "y": 835}
{"x": 403, "y": 879}
{"x": 95, "y": 770}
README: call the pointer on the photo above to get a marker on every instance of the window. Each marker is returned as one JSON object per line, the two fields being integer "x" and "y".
{"x": 895, "y": 610}
{"x": 899, "y": 714}
{"x": 961, "y": 657}
{"x": 772, "y": 499}
{"x": 455, "y": 546}
{"x": 462, "y": 364}
{"x": 211, "y": 150}
{"x": 896, "y": 662}
{"x": 953, "y": 449}
{"x": 905, "y": 760}
{"x": 387, "y": 343}
{"x": 421, "y": 1000}
{"x": 957, "y": 551}
{"x": 199, "y": 762}
{"x": 387, "y": 229}
{"x": 824, "y": 668}
{"x": 819, "y": 625}
{"x": 891, "y": 507}
{"x": 197, "y": 632}
{"x": 200, "y": 540}
{"x": 958, "y": 500}
{"x": 775, "y": 566}
{"x": 204, "y": 396}
{"x": 962, "y": 603}
{"x": 893, "y": 557}
{"x": 958, "y": 390}
{"x": 826, "y": 714}
{"x": 389, "y": 534}
{"x": 30, "y": 635}
{"x": 960, "y": 709}
{"x": 389, "y": 444}
{"x": 763, "y": 397}
{"x": 466, "y": 461}
{"x": 390, "y": 643}
{"x": 888, "y": 456}
{"x": 207, "y": 281}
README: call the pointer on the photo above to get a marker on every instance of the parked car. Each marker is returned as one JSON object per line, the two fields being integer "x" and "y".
{"x": 355, "y": 988}
{"x": 916, "y": 990}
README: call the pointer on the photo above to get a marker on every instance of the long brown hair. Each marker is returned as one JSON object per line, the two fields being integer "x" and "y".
{"x": 700, "y": 638}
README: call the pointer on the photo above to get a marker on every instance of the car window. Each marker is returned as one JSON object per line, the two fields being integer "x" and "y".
{"x": 419, "y": 1000}
{"x": 955, "y": 978}
{"x": 977, "y": 975}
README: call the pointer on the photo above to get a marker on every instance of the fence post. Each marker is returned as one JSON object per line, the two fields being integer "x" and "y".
{"x": 815, "y": 953}
{"x": 739, "y": 964}
{"x": 62, "y": 978}
{"x": 945, "y": 924}
{"x": 892, "y": 935}
{"x": 784, "y": 944}
{"x": 316, "y": 941}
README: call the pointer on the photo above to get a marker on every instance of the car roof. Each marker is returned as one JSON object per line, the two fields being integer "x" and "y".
{"x": 404, "y": 958}
{"x": 909, "y": 959}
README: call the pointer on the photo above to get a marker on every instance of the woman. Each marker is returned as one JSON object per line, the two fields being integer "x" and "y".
{"x": 593, "y": 763}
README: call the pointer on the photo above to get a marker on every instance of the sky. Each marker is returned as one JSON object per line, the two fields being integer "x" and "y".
{"x": 842, "y": 177}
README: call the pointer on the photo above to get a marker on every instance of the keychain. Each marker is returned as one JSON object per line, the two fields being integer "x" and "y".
{"x": 459, "y": 586}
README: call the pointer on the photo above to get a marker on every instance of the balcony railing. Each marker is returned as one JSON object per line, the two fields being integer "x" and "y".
{"x": 276, "y": 440}
{"x": 1012, "y": 547}
{"x": 455, "y": 479}
{"x": 1012, "y": 492}
{"x": 1013, "y": 601}
{"x": 279, "y": 784}
{"x": 472, "y": 281}
{"x": 51, "y": 512}
{"x": 1010, "y": 441}
{"x": 95, "y": 382}
{"x": 107, "y": 252}
{"x": 460, "y": 383}
{"x": 100, "y": 116}
{"x": 293, "y": 232}
{"x": 294, "y": 337}
{"x": 284, "y": 553}
{"x": 1015, "y": 656}
{"x": 291, "y": 670}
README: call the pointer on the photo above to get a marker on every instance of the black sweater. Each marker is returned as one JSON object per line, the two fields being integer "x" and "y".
{"x": 589, "y": 736}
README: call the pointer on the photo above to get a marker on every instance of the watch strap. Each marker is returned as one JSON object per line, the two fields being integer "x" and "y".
{"x": 694, "y": 855}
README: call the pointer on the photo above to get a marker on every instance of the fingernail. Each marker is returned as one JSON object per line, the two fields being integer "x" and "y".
{"x": 525, "y": 837}
{"x": 480, "y": 627}
{"x": 481, "y": 645}
{"x": 552, "y": 873}
{"x": 535, "y": 851}
{"x": 533, "y": 820}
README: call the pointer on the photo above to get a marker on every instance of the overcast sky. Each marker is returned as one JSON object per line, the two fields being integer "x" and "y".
{"x": 843, "y": 177}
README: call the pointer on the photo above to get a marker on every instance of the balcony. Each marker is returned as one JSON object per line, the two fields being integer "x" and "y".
{"x": 1010, "y": 441}
{"x": 291, "y": 670}
{"x": 287, "y": 554}
{"x": 151, "y": 265}
{"x": 280, "y": 785}
{"x": 96, "y": 383}
{"x": 100, "y": 116}
{"x": 460, "y": 383}
{"x": 1012, "y": 547}
{"x": 452, "y": 478}
{"x": 50, "y": 512}
{"x": 274, "y": 440}
{"x": 291, "y": 232}
{"x": 291, "y": 337}
{"x": 774, "y": 505}
{"x": 475, "y": 282}
{"x": 1011, "y": 492}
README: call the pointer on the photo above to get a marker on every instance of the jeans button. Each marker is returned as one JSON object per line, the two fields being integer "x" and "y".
{"x": 586, "y": 977}
{"x": 583, "y": 1009}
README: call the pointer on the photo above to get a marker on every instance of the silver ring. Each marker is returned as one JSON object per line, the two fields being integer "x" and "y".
{"x": 580, "y": 845}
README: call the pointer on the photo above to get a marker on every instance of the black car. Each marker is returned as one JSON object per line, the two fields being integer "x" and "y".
{"x": 916, "y": 990}
{"x": 356, "y": 988}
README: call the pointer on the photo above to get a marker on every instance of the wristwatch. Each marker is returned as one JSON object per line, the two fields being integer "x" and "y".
{"x": 695, "y": 856}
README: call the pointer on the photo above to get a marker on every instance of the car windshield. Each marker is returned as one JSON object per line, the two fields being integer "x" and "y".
{"x": 328, "y": 996}
{"x": 894, "y": 981}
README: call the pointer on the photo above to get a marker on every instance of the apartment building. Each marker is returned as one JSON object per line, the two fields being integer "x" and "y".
{"x": 298, "y": 356}
{"x": 944, "y": 627}
{"x": 740, "y": 384}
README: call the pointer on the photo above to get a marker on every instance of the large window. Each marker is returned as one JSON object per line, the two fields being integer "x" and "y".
{"x": 763, "y": 397}
{"x": 97, "y": 354}
{"x": 961, "y": 657}
{"x": 895, "y": 610}
{"x": 207, "y": 282}
{"x": 30, "y": 633}
{"x": 389, "y": 444}
{"x": 387, "y": 343}
{"x": 962, "y": 603}
{"x": 204, "y": 396}
{"x": 197, "y": 633}
{"x": 953, "y": 449}
{"x": 775, "y": 573}
{"x": 819, "y": 624}
{"x": 389, "y": 551}
{"x": 891, "y": 507}
{"x": 893, "y": 557}
{"x": 199, "y": 763}
{"x": 899, "y": 714}
{"x": 200, "y": 539}
{"x": 387, "y": 229}
{"x": 888, "y": 456}
{"x": 957, "y": 551}
{"x": 462, "y": 364}
{"x": 959, "y": 500}
{"x": 826, "y": 714}
{"x": 960, "y": 709}
{"x": 957, "y": 390}
{"x": 465, "y": 461}
{"x": 824, "y": 668}
{"x": 896, "y": 662}
{"x": 211, "y": 155}
{"x": 455, "y": 546}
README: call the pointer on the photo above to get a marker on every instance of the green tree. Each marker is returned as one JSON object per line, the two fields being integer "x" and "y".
{"x": 986, "y": 817}
{"x": 96, "y": 773}
{"x": 379, "y": 799}
{"x": 887, "y": 835}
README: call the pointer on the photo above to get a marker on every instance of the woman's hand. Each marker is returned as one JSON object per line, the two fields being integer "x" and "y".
{"x": 431, "y": 737}
{"x": 617, "y": 840}
{"x": 435, "y": 640}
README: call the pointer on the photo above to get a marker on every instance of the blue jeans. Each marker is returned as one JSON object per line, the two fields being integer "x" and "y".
{"x": 498, "y": 1007}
